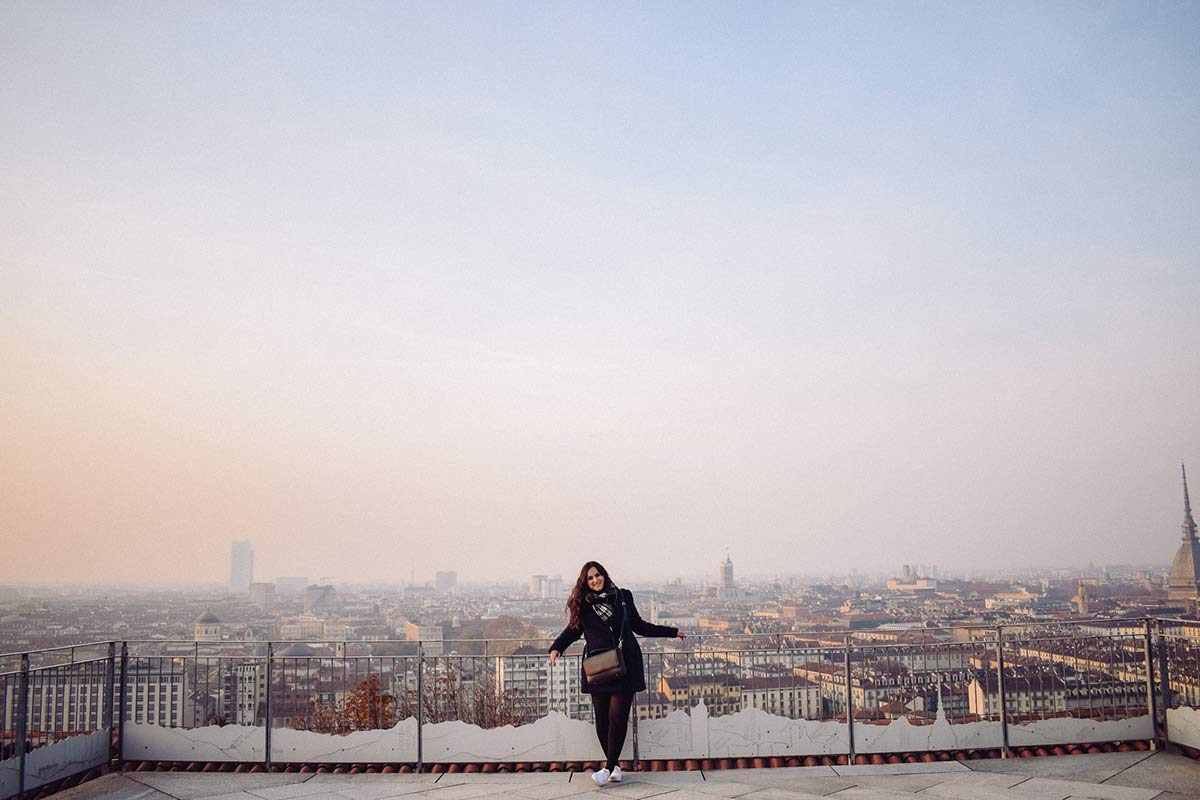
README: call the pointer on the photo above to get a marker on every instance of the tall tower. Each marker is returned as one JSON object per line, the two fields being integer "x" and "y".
{"x": 1184, "y": 583}
{"x": 1081, "y": 598}
{"x": 727, "y": 573}
{"x": 241, "y": 567}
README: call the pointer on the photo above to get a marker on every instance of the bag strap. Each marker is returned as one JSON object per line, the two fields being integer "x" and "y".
{"x": 624, "y": 618}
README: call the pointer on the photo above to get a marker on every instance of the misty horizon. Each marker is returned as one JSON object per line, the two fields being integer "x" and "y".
{"x": 387, "y": 289}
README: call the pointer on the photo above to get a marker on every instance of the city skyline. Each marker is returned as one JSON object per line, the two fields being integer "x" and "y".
{"x": 428, "y": 579}
{"x": 387, "y": 289}
{"x": 241, "y": 568}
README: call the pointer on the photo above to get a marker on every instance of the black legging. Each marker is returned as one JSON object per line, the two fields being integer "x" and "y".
{"x": 612, "y": 718}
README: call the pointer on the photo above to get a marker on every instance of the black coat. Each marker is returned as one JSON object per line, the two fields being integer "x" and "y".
{"x": 601, "y": 635}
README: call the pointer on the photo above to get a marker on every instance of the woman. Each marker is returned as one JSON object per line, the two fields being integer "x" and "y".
{"x": 600, "y": 612}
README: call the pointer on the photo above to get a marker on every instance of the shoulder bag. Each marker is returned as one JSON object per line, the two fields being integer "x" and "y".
{"x": 607, "y": 666}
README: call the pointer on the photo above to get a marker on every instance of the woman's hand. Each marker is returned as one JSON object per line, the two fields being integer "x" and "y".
{"x": 681, "y": 636}
{"x": 554, "y": 654}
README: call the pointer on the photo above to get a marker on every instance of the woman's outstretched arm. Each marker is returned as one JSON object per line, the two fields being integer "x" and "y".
{"x": 643, "y": 628}
{"x": 568, "y": 637}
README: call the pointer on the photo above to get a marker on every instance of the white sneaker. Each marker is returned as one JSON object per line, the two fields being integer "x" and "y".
{"x": 600, "y": 776}
{"x": 615, "y": 777}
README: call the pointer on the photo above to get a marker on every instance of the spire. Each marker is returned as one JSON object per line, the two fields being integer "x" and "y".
{"x": 1187, "y": 501}
{"x": 1189, "y": 524}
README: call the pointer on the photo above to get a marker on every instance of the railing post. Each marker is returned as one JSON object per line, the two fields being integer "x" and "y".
{"x": 849, "y": 706}
{"x": 1164, "y": 681}
{"x": 420, "y": 705}
{"x": 270, "y": 670}
{"x": 22, "y": 713}
{"x": 196, "y": 687}
{"x": 1004, "y": 751}
{"x": 1151, "y": 704}
{"x": 635, "y": 734}
{"x": 110, "y": 675}
{"x": 121, "y": 705}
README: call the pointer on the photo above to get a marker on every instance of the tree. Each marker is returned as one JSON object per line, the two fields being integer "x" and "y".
{"x": 367, "y": 707}
{"x": 508, "y": 628}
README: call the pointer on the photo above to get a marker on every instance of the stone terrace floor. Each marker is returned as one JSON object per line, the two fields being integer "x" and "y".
{"x": 1112, "y": 776}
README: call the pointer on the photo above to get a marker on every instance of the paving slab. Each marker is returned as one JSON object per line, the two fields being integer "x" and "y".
{"x": 191, "y": 785}
{"x": 965, "y": 790}
{"x": 772, "y": 793}
{"x": 630, "y": 789}
{"x": 233, "y": 796}
{"x": 675, "y": 780}
{"x": 378, "y": 790}
{"x": 1094, "y": 768}
{"x": 684, "y": 794}
{"x": 724, "y": 788}
{"x": 465, "y": 791}
{"x": 1099, "y": 791}
{"x": 363, "y": 778}
{"x": 766, "y": 777}
{"x": 115, "y": 786}
{"x": 797, "y": 782}
{"x": 820, "y": 785}
{"x": 549, "y": 791}
{"x": 994, "y": 780}
{"x": 872, "y": 793}
{"x": 1170, "y": 772}
{"x": 902, "y": 783}
{"x": 900, "y": 769}
{"x": 304, "y": 787}
{"x": 507, "y": 779}
{"x": 325, "y": 795}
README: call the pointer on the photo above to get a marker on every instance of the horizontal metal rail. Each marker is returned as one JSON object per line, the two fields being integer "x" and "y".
{"x": 839, "y": 633}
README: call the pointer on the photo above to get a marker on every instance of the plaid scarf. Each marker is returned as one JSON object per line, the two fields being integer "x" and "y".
{"x": 603, "y": 603}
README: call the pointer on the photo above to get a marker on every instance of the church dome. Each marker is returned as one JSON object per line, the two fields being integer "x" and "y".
{"x": 1185, "y": 568}
{"x": 208, "y": 618}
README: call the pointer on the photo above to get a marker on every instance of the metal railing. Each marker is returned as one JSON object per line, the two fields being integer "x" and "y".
{"x": 415, "y": 703}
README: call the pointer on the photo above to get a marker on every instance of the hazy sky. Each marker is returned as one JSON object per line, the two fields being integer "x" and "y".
{"x": 499, "y": 287}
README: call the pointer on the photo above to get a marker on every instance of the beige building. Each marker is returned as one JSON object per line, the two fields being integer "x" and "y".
{"x": 792, "y": 697}
{"x": 62, "y": 702}
{"x": 304, "y": 628}
{"x": 1027, "y": 694}
{"x": 720, "y": 693}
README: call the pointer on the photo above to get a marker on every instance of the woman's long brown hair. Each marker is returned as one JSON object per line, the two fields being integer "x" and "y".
{"x": 576, "y": 599}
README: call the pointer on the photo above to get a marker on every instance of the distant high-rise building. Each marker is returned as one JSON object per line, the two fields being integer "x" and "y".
{"x": 1184, "y": 582}
{"x": 535, "y": 585}
{"x": 445, "y": 581}
{"x": 551, "y": 588}
{"x": 431, "y": 635}
{"x": 534, "y": 688}
{"x": 244, "y": 693}
{"x": 292, "y": 584}
{"x": 241, "y": 567}
{"x": 727, "y": 573}
{"x": 262, "y": 595}
{"x": 321, "y": 598}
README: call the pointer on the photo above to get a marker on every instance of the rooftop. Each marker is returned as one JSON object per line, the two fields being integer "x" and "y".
{"x": 1111, "y": 776}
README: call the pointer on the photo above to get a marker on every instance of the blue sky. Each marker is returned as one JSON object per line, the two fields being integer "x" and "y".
{"x": 469, "y": 286}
